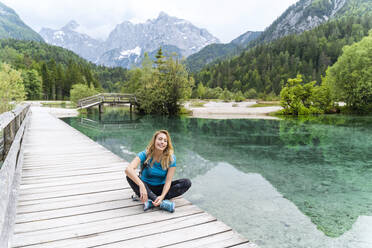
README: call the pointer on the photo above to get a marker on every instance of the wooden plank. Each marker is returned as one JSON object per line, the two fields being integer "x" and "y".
{"x": 87, "y": 218}
{"x": 174, "y": 235}
{"x": 126, "y": 191}
{"x": 72, "y": 187}
{"x": 76, "y": 171}
{"x": 70, "y": 181}
{"x": 245, "y": 245}
{"x": 72, "y": 160}
{"x": 233, "y": 241}
{"x": 75, "y": 201}
{"x": 64, "y": 212}
{"x": 80, "y": 191}
{"x": 94, "y": 154}
{"x": 75, "y": 166}
{"x": 225, "y": 239}
{"x": 73, "y": 173}
{"x": 117, "y": 230}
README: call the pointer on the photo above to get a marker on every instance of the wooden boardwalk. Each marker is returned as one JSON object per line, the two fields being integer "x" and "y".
{"x": 73, "y": 193}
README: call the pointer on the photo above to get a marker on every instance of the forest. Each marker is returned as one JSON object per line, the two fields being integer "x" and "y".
{"x": 267, "y": 67}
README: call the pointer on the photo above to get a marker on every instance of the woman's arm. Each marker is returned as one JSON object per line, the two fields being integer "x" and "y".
{"x": 130, "y": 171}
{"x": 166, "y": 187}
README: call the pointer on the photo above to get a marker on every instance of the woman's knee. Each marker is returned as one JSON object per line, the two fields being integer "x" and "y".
{"x": 187, "y": 183}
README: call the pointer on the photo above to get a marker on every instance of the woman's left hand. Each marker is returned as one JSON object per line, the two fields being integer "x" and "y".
{"x": 158, "y": 201}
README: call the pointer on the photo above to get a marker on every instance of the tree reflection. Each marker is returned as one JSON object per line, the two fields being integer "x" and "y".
{"x": 321, "y": 164}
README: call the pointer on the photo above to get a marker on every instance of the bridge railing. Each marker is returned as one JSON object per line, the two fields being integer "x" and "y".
{"x": 90, "y": 100}
{"x": 12, "y": 128}
{"x": 107, "y": 97}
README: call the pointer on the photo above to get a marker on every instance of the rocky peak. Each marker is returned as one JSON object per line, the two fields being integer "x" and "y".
{"x": 128, "y": 41}
{"x": 302, "y": 16}
{"x": 5, "y": 10}
{"x": 71, "y": 25}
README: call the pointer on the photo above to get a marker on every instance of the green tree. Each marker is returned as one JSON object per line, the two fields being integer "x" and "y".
{"x": 226, "y": 95}
{"x": 11, "y": 87}
{"x": 200, "y": 91}
{"x": 304, "y": 99}
{"x": 250, "y": 94}
{"x": 239, "y": 97}
{"x": 32, "y": 84}
{"x": 164, "y": 87}
{"x": 45, "y": 81}
{"x": 350, "y": 78}
{"x": 80, "y": 91}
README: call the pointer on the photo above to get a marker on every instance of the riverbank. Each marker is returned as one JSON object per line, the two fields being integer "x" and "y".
{"x": 210, "y": 110}
{"x": 231, "y": 110}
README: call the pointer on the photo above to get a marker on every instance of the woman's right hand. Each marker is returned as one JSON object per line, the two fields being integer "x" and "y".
{"x": 143, "y": 194}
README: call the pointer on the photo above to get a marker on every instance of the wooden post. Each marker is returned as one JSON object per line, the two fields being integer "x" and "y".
{"x": 9, "y": 133}
{"x": 130, "y": 108}
{"x": 100, "y": 108}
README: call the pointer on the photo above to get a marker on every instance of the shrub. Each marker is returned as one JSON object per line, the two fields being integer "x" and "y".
{"x": 80, "y": 91}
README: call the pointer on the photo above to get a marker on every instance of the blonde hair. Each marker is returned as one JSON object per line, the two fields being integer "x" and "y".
{"x": 166, "y": 158}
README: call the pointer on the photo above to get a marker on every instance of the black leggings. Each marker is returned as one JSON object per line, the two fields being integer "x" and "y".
{"x": 177, "y": 188}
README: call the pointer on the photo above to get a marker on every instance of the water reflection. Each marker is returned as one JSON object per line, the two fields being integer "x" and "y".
{"x": 250, "y": 204}
{"x": 318, "y": 169}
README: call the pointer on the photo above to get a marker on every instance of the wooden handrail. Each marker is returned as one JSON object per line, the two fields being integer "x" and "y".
{"x": 106, "y": 97}
{"x": 9, "y": 124}
{"x": 13, "y": 130}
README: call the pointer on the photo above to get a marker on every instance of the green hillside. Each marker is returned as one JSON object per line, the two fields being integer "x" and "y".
{"x": 58, "y": 68}
{"x": 11, "y": 26}
{"x": 267, "y": 67}
{"x": 210, "y": 54}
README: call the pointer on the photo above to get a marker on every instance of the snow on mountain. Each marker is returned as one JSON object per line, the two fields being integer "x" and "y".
{"x": 129, "y": 41}
{"x": 67, "y": 37}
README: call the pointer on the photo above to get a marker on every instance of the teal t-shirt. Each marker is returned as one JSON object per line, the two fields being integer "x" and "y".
{"x": 154, "y": 175}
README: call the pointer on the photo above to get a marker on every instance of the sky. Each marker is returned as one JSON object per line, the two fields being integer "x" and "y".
{"x": 225, "y": 19}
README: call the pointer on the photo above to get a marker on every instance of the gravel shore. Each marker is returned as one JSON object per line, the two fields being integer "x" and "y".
{"x": 232, "y": 110}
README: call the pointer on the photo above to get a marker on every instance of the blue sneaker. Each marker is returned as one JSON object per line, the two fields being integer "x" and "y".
{"x": 135, "y": 197}
{"x": 168, "y": 205}
{"x": 147, "y": 205}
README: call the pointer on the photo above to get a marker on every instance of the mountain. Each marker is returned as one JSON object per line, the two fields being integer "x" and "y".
{"x": 127, "y": 43}
{"x": 216, "y": 52}
{"x": 308, "y": 14}
{"x": 11, "y": 26}
{"x": 266, "y": 67}
{"x": 244, "y": 39}
{"x": 133, "y": 57}
{"x": 301, "y": 16}
{"x": 68, "y": 37}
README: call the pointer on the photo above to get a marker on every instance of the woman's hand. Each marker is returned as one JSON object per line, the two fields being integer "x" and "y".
{"x": 158, "y": 201}
{"x": 143, "y": 194}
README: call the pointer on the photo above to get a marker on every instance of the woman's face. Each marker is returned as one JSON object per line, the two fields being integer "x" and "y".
{"x": 161, "y": 142}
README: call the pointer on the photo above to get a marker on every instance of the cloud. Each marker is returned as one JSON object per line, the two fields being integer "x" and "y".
{"x": 225, "y": 19}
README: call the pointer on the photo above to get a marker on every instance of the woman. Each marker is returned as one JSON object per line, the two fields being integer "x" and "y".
{"x": 154, "y": 186}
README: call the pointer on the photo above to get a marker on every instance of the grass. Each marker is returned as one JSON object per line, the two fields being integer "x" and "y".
{"x": 197, "y": 104}
{"x": 257, "y": 105}
{"x": 185, "y": 112}
{"x": 58, "y": 104}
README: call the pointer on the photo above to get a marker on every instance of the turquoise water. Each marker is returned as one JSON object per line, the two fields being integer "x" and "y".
{"x": 287, "y": 183}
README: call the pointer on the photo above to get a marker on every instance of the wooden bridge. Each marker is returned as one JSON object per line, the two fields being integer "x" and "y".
{"x": 61, "y": 189}
{"x": 109, "y": 98}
